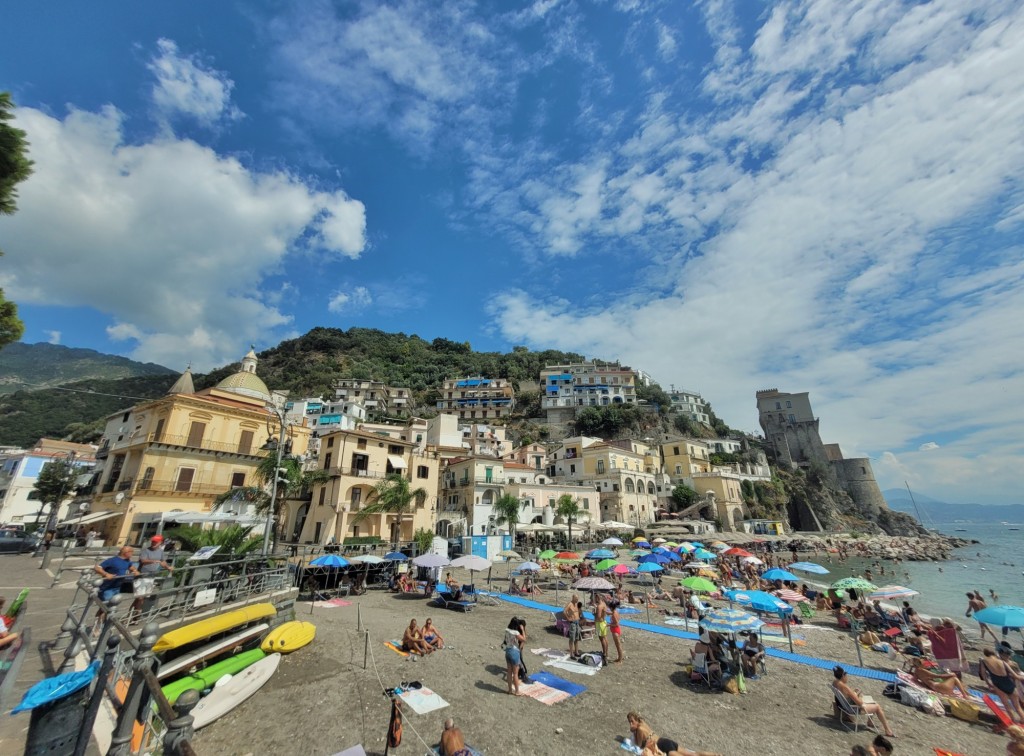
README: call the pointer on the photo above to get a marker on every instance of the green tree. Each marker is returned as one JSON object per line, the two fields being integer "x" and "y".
{"x": 234, "y": 540}
{"x": 506, "y": 511}
{"x": 424, "y": 540}
{"x": 392, "y": 496}
{"x": 54, "y": 484}
{"x": 15, "y": 167}
{"x": 655, "y": 396}
{"x": 569, "y": 509}
{"x": 683, "y": 496}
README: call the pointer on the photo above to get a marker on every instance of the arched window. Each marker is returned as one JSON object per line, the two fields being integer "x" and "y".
{"x": 147, "y": 479}
{"x": 629, "y": 485}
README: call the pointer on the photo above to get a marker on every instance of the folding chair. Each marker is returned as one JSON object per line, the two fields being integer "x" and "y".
{"x": 711, "y": 677}
{"x": 845, "y": 710}
{"x": 806, "y": 610}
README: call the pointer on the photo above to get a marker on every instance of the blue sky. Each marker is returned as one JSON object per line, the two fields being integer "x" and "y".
{"x": 818, "y": 196}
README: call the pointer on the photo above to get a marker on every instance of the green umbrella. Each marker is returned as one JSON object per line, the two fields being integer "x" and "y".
{"x": 605, "y": 564}
{"x": 547, "y": 554}
{"x": 699, "y": 584}
{"x": 857, "y": 583}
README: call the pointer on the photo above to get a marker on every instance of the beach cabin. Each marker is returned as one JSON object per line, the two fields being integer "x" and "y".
{"x": 763, "y": 527}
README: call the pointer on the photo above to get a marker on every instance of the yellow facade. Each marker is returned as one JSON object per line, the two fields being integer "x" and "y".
{"x": 357, "y": 461}
{"x": 683, "y": 457}
{"x": 625, "y": 479}
{"x": 728, "y": 506}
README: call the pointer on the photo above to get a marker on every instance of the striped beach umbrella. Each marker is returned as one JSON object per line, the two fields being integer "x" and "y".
{"x": 815, "y": 569}
{"x": 892, "y": 592}
{"x": 729, "y": 621}
{"x": 792, "y": 596}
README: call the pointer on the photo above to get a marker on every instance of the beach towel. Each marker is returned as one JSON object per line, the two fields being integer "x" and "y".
{"x": 423, "y": 700}
{"x": 569, "y": 665}
{"x": 550, "y": 653}
{"x": 356, "y": 750}
{"x": 331, "y": 603}
{"x": 543, "y": 693}
{"x": 396, "y": 647}
{"x": 947, "y": 648}
{"x": 558, "y": 683}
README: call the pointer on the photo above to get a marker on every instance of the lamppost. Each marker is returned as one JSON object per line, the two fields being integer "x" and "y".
{"x": 278, "y": 447}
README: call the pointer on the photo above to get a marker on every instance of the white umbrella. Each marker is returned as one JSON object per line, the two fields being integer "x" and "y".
{"x": 751, "y": 560}
{"x": 593, "y": 584}
{"x": 613, "y": 525}
{"x": 431, "y": 560}
{"x": 660, "y": 540}
{"x": 469, "y": 562}
{"x": 368, "y": 559}
{"x": 613, "y": 541}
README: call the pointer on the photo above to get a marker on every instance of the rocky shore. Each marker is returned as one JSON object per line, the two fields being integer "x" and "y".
{"x": 931, "y": 547}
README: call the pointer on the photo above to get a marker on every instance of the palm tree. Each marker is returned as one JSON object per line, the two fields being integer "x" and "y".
{"x": 569, "y": 508}
{"x": 233, "y": 540}
{"x": 506, "y": 510}
{"x": 392, "y": 496}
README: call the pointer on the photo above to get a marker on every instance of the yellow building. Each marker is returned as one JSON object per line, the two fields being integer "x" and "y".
{"x": 179, "y": 452}
{"x": 683, "y": 457}
{"x": 357, "y": 461}
{"x": 722, "y": 497}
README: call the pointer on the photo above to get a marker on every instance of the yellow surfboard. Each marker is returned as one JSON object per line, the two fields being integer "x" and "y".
{"x": 213, "y": 626}
{"x": 289, "y": 637}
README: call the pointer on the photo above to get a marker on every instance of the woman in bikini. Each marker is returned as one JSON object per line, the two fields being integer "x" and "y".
{"x": 945, "y": 683}
{"x": 412, "y": 641}
{"x": 616, "y": 630}
{"x": 1003, "y": 681}
{"x": 431, "y": 636}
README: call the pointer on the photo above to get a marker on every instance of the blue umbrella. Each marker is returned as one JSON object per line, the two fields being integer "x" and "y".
{"x": 396, "y": 556}
{"x": 649, "y": 566}
{"x": 778, "y": 574}
{"x": 760, "y": 601}
{"x": 673, "y": 557}
{"x": 729, "y": 621}
{"x": 811, "y": 567}
{"x": 529, "y": 567}
{"x": 653, "y": 559}
{"x": 601, "y": 554}
{"x": 642, "y": 545}
{"x": 54, "y": 688}
{"x": 1002, "y": 615}
{"x": 660, "y": 550}
{"x": 330, "y": 560}
{"x": 698, "y": 544}
{"x": 704, "y": 554}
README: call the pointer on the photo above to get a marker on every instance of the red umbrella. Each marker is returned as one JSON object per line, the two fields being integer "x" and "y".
{"x": 567, "y": 555}
{"x": 791, "y": 596}
{"x": 737, "y": 551}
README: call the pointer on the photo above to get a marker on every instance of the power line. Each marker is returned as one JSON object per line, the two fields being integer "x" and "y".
{"x": 84, "y": 391}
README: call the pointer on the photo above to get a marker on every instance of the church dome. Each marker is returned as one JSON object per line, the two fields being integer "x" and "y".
{"x": 245, "y": 381}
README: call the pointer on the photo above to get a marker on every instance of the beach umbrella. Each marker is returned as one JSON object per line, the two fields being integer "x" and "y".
{"x": 687, "y": 547}
{"x": 369, "y": 559}
{"x": 568, "y": 556}
{"x": 529, "y": 567}
{"x": 704, "y": 554}
{"x": 729, "y": 621}
{"x": 673, "y": 557}
{"x": 698, "y": 584}
{"x": 649, "y": 567}
{"x": 623, "y": 569}
{"x": 787, "y": 595}
{"x": 639, "y": 552}
{"x": 332, "y": 561}
{"x": 605, "y": 564}
{"x": 752, "y": 560}
{"x": 396, "y": 556}
{"x": 697, "y": 544}
{"x": 470, "y": 562}
{"x": 639, "y": 538}
{"x": 694, "y": 566}
{"x": 1001, "y": 615}
{"x": 660, "y": 540}
{"x": 737, "y": 551}
{"x": 613, "y": 541}
{"x": 642, "y": 544}
{"x": 435, "y": 560}
{"x": 660, "y": 550}
{"x": 601, "y": 554}
{"x": 892, "y": 592}
{"x": 547, "y": 554}
{"x": 760, "y": 601}
{"x": 509, "y": 554}
{"x": 593, "y": 584}
{"x": 653, "y": 559}
{"x": 778, "y": 574}
{"x": 811, "y": 567}
{"x": 858, "y": 584}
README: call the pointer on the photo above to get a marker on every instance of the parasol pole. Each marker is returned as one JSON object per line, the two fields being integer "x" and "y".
{"x": 789, "y": 630}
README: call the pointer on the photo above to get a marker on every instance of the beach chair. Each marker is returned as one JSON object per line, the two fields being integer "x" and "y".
{"x": 446, "y": 600}
{"x": 708, "y": 676}
{"x": 845, "y": 710}
{"x": 806, "y": 610}
{"x": 947, "y": 648}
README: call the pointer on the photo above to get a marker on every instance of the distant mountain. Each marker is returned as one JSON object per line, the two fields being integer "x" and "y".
{"x": 36, "y": 366}
{"x": 934, "y": 510}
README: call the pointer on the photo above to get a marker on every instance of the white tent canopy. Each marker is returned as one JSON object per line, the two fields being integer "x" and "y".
{"x": 613, "y": 525}
{"x": 540, "y": 527}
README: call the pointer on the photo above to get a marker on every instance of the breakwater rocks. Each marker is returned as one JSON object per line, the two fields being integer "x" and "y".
{"x": 930, "y": 547}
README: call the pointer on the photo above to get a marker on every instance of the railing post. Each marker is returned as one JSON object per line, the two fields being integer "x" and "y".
{"x": 137, "y": 697}
{"x": 179, "y": 729}
{"x": 85, "y": 734}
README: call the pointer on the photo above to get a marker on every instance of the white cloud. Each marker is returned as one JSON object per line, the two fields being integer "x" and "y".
{"x": 185, "y": 87}
{"x": 354, "y": 299}
{"x": 53, "y": 337}
{"x": 929, "y": 446}
{"x": 213, "y": 229}
{"x": 667, "y": 44}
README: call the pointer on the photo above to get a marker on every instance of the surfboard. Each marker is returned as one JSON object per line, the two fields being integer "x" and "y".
{"x": 212, "y": 626}
{"x": 237, "y": 690}
{"x": 288, "y": 637}
{"x": 209, "y": 651}
{"x": 206, "y": 678}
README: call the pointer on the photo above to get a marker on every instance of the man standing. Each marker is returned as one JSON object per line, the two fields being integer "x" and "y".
{"x": 975, "y": 603}
{"x": 151, "y": 561}
{"x": 571, "y": 613}
{"x": 113, "y": 572}
{"x": 601, "y": 624}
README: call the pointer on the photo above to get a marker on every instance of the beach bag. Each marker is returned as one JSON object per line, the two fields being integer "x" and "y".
{"x": 892, "y": 690}
{"x": 591, "y": 660}
{"x": 732, "y": 685}
{"x": 963, "y": 710}
{"x": 922, "y": 700}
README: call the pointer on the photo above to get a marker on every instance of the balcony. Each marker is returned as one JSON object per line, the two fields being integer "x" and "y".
{"x": 181, "y": 488}
{"x": 358, "y": 472}
{"x": 184, "y": 442}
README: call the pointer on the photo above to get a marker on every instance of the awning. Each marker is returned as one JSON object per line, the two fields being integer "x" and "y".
{"x": 396, "y": 462}
{"x": 91, "y": 518}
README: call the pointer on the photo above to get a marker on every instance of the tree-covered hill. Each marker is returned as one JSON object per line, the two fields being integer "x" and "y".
{"x": 28, "y": 366}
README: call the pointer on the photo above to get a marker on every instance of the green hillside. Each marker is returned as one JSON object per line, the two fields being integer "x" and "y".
{"x": 28, "y": 366}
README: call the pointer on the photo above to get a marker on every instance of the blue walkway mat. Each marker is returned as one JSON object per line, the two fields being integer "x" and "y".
{"x": 810, "y": 661}
{"x": 546, "y": 678}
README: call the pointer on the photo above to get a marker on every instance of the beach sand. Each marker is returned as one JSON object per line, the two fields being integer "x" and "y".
{"x": 322, "y": 701}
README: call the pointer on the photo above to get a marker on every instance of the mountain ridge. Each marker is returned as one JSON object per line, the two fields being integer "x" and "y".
{"x": 42, "y": 365}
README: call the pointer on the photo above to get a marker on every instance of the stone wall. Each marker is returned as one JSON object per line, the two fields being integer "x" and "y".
{"x": 858, "y": 480}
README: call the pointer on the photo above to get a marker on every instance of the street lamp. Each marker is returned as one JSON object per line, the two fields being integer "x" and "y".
{"x": 278, "y": 447}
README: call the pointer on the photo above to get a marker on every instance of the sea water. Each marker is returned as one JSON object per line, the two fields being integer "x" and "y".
{"x": 996, "y": 562}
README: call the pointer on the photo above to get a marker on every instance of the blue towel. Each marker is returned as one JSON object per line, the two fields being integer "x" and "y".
{"x": 546, "y": 678}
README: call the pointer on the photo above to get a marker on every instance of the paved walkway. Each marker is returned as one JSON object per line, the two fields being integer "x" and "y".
{"x": 44, "y": 613}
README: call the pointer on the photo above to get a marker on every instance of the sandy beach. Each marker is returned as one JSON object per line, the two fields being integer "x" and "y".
{"x": 322, "y": 701}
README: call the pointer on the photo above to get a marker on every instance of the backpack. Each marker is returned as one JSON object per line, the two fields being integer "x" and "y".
{"x": 591, "y": 660}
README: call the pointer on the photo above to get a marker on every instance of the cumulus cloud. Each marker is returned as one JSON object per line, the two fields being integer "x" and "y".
{"x": 929, "y": 446}
{"x": 52, "y": 337}
{"x": 213, "y": 229}
{"x": 185, "y": 87}
{"x": 353, "y": 299}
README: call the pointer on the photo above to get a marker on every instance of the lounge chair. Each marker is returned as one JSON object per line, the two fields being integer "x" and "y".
{"x": 710, "y": 677}
{"x": 446, "y": 600}
{"x": 845, "y": 710}
{"x": 806, "y": 610}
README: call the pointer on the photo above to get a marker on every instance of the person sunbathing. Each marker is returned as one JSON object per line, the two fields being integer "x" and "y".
{"x": 513, "y": 587}
{"x": 868, "y": 637}
{"x": 855, "y": 699}
{"x": 431, "y": 636}
{"x": 412, "y": 641}
{"x": 945, "y": 683}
